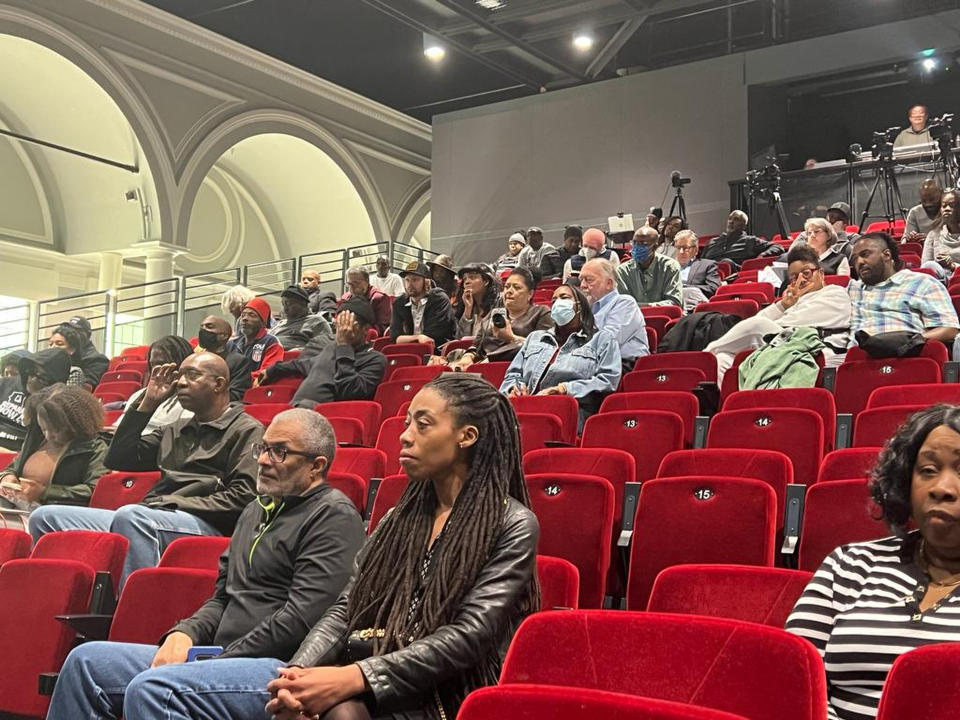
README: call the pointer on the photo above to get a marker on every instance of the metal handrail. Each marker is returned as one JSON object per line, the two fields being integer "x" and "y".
{"x": 14, "y": 326}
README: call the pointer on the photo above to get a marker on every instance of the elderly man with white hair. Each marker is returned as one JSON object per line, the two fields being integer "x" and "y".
{"x": 618, "y": 314}
{"x": 736, "y": 245}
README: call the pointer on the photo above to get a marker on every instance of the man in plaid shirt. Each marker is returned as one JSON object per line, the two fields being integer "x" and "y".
{"x": 887, "y": 300}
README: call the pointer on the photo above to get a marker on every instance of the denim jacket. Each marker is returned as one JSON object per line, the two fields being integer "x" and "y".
{"x": 589, "y": 367}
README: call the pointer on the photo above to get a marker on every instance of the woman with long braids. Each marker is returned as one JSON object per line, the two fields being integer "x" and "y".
{"x": 443, "y": 582}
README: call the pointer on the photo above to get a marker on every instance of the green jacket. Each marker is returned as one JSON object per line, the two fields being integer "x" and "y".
{"x": 76, "y": 473}
{"x": 788, "y": 360}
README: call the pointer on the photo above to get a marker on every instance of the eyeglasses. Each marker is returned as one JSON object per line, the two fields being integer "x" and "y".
{"x": 686, "y": 248}
{"x": 806, "y": 274}
{"x": 277, "y": 453}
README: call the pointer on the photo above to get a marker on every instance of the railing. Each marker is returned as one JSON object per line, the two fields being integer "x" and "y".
{"x": 14, "y": 326}
{"x": 136, "y": 314}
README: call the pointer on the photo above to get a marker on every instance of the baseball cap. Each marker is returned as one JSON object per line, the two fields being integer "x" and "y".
{"x": 415, "y": 268}
{"x": 842, "y": 207}
{"x": 80, "y": 323}
{"x": 535, "y": 229}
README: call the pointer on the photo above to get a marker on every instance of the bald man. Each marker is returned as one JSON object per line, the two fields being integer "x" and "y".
{"x": 207, "y": 469}
{"x": 322, "y": 302}
{"x": 214, "y": 334}
{"x": 593, "y": 246}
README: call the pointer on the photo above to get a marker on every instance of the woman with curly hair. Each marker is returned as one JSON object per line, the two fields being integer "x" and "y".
{"x": 62, "y": 455}
{"x": 870, "y": 602}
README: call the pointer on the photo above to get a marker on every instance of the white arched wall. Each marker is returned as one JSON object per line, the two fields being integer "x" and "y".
{"x": 268, "y": 197}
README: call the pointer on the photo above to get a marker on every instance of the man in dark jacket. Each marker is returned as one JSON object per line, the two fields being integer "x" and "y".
{"x": 322, "y": 302}
{"x": 736, "y": 246}
{"x": 37, "y": 371}
{"x": 552, "y": 264}
{"x": 206, "y": 467}
{"x": 346, "y": 369}
{"x": 422, "y": 314}
{"x": 298, "y": 326}
{"x": 214, "y": 335}
{"x": 93, "y": 363}
{"x": 289, "y": 558}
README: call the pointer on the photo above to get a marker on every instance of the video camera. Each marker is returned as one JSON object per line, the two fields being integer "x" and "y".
{"x": 765, "y": 181}
{"x": 677, "y": 181}
{"x": 941, "y": 127}
{"x": 883, "y": 143}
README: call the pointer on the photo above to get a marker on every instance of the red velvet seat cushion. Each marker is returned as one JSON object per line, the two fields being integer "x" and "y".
{"x": 101, "y": 551}
{"x": 199, "y": 552}
{"x": 155, "y": 599}
{"x": 559, "y": 583}
{"x": 923, "y": 684}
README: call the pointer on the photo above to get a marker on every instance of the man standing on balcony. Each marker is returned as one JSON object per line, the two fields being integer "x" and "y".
{"x": 387, "y": 282}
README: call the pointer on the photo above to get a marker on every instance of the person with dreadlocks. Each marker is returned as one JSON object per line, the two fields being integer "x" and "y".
{"x": 442, "y": 584}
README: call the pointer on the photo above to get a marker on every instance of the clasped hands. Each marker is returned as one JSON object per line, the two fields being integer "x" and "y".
{"x": 309, "y": 692}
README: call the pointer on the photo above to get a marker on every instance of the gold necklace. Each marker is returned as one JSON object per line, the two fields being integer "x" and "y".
{"x": 925, "y": 563}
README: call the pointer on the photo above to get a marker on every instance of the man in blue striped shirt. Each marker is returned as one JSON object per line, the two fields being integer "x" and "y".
{"x": 618, "y": 314}
{"x": 888, "y": 300}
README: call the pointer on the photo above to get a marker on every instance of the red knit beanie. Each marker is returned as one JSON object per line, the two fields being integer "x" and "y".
{"x": 261, "y": 307}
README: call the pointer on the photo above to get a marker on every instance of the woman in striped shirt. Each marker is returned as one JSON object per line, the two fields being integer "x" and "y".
{"x": 873, "y": 601}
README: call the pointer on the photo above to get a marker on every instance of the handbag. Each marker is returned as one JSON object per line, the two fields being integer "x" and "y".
{"x": 901, "y": 343}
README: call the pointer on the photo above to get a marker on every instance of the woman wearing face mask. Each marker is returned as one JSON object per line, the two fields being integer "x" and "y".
{"x": 69, "y": 340}
{"x": 169, "y": 349}
{"x": 594, "y": 245}
{"x": 509, "y": 325}
{"x": 573, "y": 358}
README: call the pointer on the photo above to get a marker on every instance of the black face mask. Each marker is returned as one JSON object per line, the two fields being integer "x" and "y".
{"x": 208, "y": 339}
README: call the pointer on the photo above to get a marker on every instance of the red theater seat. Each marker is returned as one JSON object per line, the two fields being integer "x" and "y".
{"x": 539, "y": 702}
{"x": 648, "y": 435}
{"x": 817, "y": 399}
{"x": 492, "y": 372}
{"x": 673, "y": 360}
{"x": 764, "y": 595}
{"x": 837, "y": 513}
{"x": 857, "y": 379}
{"x": 576, "y": 523}
{"x": 417, "y": 372}
{"x": 699, "y": 520}
{"x": 684, "y": 404}
{"x": 365, "y": 462}
{"x": 564, "y": 407}
{"x": 418, "y": 349}
{"x": 796, "y": 432}
{"x": 743, "y": 308}
{"x": 391, "y": 395}
{"x": 32, "y": 640}
{"x": 875, "y": 426}
{"x": 102, "y": 551}
{"x": 123, "y": 389}
{"x": 559, "y": 583}
{"x": 756, "y": 671}
{"x": 115, "y": 376}
{"x": 269, "y": 394}
{"x": 683, "y": 379}
{"x": 539, "y": 429}
{"x": 347, "y": 430}
{"x": 761, "y": 288}
{"x": 848, "y": 464}
{"x": 388, "y": 440}
{"x": 198, "y": 552}
{"x": 264, "y": 413}
{"x": 934, "y": 350}
{"x": 351, "y": 485}
{"x": 116, "y": 489}
{"x": 366, "y": 411}
{"x": 395, "y": 362}
{"x": 928, "y": 394}
{"x": 14, "y": 544}
{"x": 389, "y": 493}
{"x": 155, "y": 599}
{"x": 922, "y": 684}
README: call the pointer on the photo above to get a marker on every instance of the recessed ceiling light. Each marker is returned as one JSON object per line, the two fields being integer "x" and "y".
{"x": 433, "y": 48}
{"x": 930, "y": 64}
{"x": 491, "y": 4}
{"x": 583, "y": 41}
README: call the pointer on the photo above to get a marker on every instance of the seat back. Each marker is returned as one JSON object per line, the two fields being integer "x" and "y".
{"x": 115, "y": 376}
{"x": 347, "y": 430}
{"x": 116, "y": 489}
{"x": 764, "y": 595}
{"x": 155, "y": 599}
{"x": 688, "y": 359}
{"x": 796, "y": 432}
{"x": 848, "y": 464}
{"x": 837, "y": 513}
{"x": 667, "y": 311}
{"x": 140, "y": 366}
{"x": 568, "y": 531}
{"x": 929, "y": 394}
{"x": 366, "y": 411}
{"x": 389, "y": 493}
{"x": 564, "y": 407}
{"x": 388, "y": 440}
{"x": 922, "y": 683}
{"x": 14, "y": 544}
{"x": 264, "y": 394}
{"x": 417, "y": 372}
{"x": 935, "y": 350}
{"x": 559, "y": 583}
{"x": 743, "y": 308}
{"x": 351, "y": 485}
{"x": 684, "y": 404}
{"x": 535, "y": 702}
{"x": 857, "y": 379}
{"x": 365, "y": 462}
{"x": 102, "y": 551}
{"x": 32, "y": 640}
{"x": 699, "y": 520}
{"x": 761, "y": 288}
{"x": 198, "y": 552}
{"x": 753, "y": 670}
{"x": 123, "y": 388}
{"x": 391, "y": 395}
{"x": 874, "y": 426}
{"x": 419, "y": 349}
{"x": 683, "y": 379}
{"x": 492, "y": 372}
{"x": 538, "y": 429}
{"x": 648, "y": 435}
{"x": 264, "y": 413}
{"x": 395, "y": 362}
{"x": 819, "y": 400}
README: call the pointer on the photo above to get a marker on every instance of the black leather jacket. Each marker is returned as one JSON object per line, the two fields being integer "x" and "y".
{"x": 488, "y": 616}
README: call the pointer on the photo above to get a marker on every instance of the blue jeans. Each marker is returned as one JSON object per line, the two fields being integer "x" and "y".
{"x": 149, "y": 530}
{"x": 110, "y": 680}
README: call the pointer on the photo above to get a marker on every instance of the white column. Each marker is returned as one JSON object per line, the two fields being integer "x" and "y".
{"x": 111, "y": 271}
{"x": 159, "y": 266}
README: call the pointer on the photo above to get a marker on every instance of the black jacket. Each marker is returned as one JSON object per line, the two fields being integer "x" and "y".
{"x": 282, "y": 571}
{"x": 488, "y": 616}
{"x": 93, "y": 363}
{"x": 338, "y": 372}
{"x": 439, "y": 322}
{"x": 77, "y": 470}
{"x": 703, "y": 274}
{"x": 239, "y": 367}
{"x": 55, "y": 363}
{"x": 206, "y": 469}
{"x": 323, "y": 302}
{"x": 738, "y": 248}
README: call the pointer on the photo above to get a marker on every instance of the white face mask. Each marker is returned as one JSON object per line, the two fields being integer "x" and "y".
{"x": 588, "y": 252}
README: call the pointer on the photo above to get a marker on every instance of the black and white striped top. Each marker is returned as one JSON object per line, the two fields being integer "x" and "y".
{"x": 861, "y": 611}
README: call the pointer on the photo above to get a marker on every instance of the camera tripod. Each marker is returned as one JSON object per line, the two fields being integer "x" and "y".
{"x": 891, "y": 198}
{"x": 775, "y": 202}
{"x": 947, "y": 162}
{"x": 679, "y": 204}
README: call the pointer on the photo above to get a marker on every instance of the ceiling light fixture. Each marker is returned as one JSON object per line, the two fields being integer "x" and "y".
{"x": 433, "y": 49}
{"x": 490, "y": 4}
{"x": 583, "y": 41}
{"x": 929, "y": 64}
